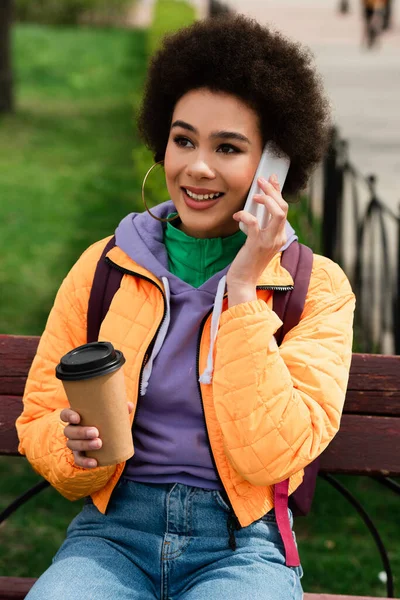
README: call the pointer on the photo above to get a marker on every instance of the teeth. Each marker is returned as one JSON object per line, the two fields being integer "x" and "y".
{"x": 202, "y": 196}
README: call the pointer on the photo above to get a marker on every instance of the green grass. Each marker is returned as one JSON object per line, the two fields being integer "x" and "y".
{"x": 30, "y": 538}
{"x": 67, "y": 178}
{"x": 337, "y": 550}
{"x": 67, "y": 175}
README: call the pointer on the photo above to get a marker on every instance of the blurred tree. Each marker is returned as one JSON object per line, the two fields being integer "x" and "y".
{"x": 6, "y": 79}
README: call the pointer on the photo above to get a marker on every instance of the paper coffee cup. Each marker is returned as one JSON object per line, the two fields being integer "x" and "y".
{"x": 95, "y": 386}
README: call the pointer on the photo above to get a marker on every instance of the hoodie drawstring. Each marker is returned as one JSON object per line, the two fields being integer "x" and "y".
{"x": 159, "y": 340}
{"x": 206, "y": 376}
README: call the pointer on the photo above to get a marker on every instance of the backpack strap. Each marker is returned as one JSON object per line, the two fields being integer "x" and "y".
{"x": 298, "y": 260}
{"x": 106, "y": 282}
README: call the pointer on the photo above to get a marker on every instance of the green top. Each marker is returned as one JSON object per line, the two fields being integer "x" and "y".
{"x": 195, "y": 260}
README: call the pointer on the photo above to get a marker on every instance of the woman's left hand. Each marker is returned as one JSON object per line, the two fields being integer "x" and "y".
{"x": 261, "y": 244}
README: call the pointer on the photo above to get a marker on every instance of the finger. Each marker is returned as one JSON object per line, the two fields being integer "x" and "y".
{"x": 276, "y": 224}
{"x": 84, "y": 445}
{"x": 270, "y": 190}
{"x": 274, "y": 209}
{"x": 131, "y": 406}
{"x": 83, "y": 461}
{"x": 273, "y": 180}
{"x": 74, "y": 432}
{"x": 242, "y": 216}
{"x": 70, "y": 416}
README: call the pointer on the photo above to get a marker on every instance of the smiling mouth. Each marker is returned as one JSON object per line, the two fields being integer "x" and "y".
{"x": 200, "y": 197}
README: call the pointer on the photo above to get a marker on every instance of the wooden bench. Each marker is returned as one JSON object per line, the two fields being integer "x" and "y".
{"x": 368, "y": 442}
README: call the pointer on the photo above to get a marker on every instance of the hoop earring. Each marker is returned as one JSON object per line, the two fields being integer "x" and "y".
{"x": 144, "y": 200}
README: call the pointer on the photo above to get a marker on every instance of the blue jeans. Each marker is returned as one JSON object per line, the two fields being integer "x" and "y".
{"x": 167, "y": 542}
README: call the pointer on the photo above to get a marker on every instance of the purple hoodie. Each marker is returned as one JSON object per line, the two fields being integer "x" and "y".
{"x": 169, "y": 430}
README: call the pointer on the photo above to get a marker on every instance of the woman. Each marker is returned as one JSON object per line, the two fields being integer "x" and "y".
{"x": 211, "y": 446}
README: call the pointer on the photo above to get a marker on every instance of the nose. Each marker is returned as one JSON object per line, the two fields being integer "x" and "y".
{"x": 200, "y": 168}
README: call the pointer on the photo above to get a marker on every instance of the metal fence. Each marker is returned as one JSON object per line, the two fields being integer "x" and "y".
{"x": 362, "y": 234}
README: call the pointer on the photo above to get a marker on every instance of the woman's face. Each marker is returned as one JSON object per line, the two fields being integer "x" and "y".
{"x": 214, "y": 147}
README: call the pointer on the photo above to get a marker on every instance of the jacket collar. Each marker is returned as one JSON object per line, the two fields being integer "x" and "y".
{"x": 274, "y": 274}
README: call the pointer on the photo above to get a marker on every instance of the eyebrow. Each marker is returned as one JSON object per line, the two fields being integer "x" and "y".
{"x": 225, "y": 135}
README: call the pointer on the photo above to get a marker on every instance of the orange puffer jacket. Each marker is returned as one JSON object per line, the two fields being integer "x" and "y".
{"x": 269, "y": 412}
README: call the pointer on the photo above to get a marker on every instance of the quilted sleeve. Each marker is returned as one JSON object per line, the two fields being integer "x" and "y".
{"x": 278, "y": 408}
{"x": 39, "y": 427}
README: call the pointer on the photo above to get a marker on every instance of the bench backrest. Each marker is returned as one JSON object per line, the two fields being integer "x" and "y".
{"x": 368, "y": 441}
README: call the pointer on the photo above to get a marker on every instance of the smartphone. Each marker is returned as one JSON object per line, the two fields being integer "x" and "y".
{"x": 269, "y": 163}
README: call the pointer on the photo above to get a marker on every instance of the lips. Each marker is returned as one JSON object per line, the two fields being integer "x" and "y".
{"x": 198, "y": 204}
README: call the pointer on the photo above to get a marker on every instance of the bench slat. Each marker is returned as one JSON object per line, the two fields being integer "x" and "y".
{"x": 15, "y": 588}
{"x": 364, "y": 445}
{"x": 372, "y": 402}
{"x": 374, "y": 372}
{"x": 16, "y": 355}
{"x": 337, "y": 597}
{"x": 10, "y": 409}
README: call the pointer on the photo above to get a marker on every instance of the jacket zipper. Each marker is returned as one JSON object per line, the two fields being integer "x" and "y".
{"x": 150, "y": 346}
{"x": 275, "y": 288}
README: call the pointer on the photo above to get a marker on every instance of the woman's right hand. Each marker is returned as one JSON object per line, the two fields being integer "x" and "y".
{"x": 82, "y": 439}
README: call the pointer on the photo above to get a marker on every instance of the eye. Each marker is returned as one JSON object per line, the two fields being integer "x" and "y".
{"x": 228, "y": 149}
{"x": 183, "y": 142}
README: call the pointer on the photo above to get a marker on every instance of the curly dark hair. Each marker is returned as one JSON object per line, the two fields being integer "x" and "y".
{"x": 274, "y": 76}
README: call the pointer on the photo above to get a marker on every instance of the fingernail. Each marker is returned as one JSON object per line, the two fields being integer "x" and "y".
{"x": 92, "y": 432}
